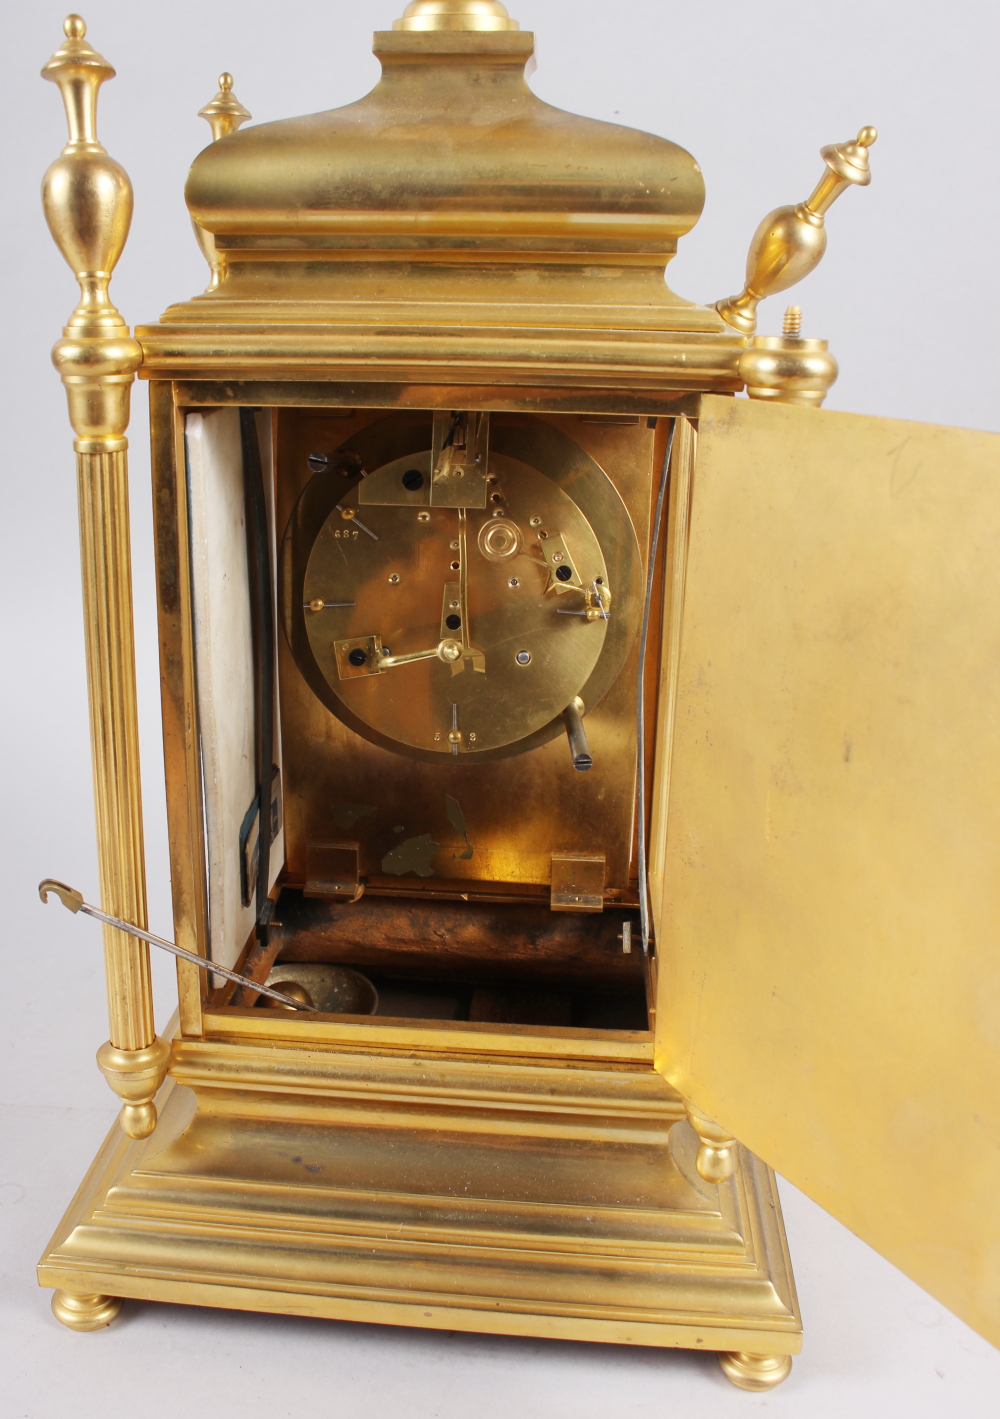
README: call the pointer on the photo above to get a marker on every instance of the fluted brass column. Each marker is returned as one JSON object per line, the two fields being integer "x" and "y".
{"x": 88, "y": 205}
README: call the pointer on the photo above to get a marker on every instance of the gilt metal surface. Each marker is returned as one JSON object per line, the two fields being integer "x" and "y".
{"x": 520, "y": 1197}
{"x": 831, "y": 886}
{"x": 447, "y": 243}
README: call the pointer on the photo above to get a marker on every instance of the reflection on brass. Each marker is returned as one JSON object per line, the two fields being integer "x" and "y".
{"x": 577, "y": 882}
{"x": 790, "y": 241}
{"x": 330, "y": 990}
{"x": 381, "y": 254}
{"x": 294, "y": 993}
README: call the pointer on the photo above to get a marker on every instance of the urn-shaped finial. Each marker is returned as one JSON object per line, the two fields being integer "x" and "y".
{"x": 87, "y": 196}
{"x": 224, "y": 113}
{"x": 87, "y": 199}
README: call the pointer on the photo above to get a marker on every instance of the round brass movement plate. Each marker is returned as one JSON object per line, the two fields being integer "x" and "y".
{"x": 493, "y": 600}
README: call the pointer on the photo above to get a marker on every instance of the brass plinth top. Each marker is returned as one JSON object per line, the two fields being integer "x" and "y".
{"x": 455, "y": 15}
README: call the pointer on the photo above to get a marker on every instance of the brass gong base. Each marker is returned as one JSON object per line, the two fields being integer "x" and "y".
{"x": 518, "y": 1197}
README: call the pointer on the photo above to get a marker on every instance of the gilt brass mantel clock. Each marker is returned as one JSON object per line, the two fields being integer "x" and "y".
{"x": 573, "y": 767}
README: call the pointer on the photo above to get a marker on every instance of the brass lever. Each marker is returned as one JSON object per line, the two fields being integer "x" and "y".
{"x": 790, "y": 241}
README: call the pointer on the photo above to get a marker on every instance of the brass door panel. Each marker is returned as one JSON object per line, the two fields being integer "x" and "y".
{"x": 829, "y": 924}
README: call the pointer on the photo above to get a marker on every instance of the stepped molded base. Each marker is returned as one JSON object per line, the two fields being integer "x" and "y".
{"x": 519, "y": 1197}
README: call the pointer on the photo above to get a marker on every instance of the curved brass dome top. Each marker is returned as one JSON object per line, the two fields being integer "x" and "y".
{"x": 455, "y": 15}
{"x": 451, "y": 148}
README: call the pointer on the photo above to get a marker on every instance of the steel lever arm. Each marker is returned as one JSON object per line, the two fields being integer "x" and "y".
{"x": 73, "y": 899}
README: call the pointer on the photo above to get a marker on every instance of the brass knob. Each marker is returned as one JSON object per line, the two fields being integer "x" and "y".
{"x": 788, "y": 368}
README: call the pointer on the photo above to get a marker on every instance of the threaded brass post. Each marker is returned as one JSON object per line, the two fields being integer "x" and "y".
{"x": 793, "y": 321}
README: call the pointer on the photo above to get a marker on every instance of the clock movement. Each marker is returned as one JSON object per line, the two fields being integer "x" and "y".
{"x": 573, "y": 767}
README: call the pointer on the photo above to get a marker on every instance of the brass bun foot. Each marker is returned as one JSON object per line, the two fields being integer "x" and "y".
{"x": 755, "y": 1372}
{"x": 91, "y": 1311}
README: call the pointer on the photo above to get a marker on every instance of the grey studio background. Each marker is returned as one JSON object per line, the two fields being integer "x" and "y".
{"x": 908, "y": 298}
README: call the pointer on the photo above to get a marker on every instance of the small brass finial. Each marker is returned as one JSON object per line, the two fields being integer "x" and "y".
{"x": 790, "y": 241}
{"x": 225, "y": 113}
{"x": 79, "y": 71}
{"x": 792, "y": 324}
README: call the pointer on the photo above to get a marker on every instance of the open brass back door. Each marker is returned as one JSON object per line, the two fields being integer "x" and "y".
{"x": 827, "y": 894}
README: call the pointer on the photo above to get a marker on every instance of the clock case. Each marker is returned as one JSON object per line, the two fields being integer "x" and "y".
{"x": 820, "y": 779}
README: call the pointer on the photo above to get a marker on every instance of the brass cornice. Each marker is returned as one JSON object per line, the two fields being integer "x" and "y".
{"x": 537, "y": 356}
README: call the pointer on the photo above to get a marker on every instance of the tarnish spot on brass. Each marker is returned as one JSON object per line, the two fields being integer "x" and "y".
{"x": 345, "y": 815}
{"x": 413, "y": 855}
{"x": 457, "y": 820}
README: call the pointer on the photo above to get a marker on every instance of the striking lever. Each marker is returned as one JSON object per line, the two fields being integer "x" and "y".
{"x": 73, "y": 900}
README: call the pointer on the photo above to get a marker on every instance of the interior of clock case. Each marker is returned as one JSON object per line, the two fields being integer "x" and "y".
{"x": 434, "y": 853}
